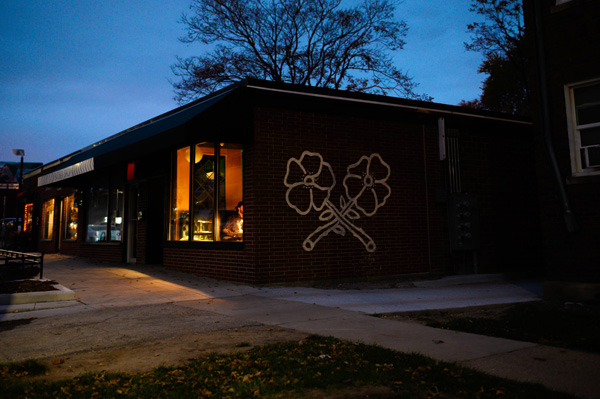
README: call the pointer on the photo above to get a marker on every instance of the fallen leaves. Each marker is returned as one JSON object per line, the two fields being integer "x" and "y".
{"x": 315, "y": 363}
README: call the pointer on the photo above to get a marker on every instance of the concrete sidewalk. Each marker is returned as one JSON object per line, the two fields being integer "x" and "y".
{"x": 340, "y": 313}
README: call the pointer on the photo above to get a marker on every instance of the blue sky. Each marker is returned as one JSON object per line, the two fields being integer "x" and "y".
{"x": 76, "y": 71}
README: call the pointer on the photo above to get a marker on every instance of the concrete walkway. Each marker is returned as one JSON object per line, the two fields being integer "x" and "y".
{"x": 340, "y": 313}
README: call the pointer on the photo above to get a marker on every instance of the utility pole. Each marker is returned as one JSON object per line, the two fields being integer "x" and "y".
{"x": 22, "y": 154}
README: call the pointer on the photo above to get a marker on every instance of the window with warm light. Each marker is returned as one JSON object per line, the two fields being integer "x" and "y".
{"x": 48, "y": 219}
{"x": 71, "y": 214}
{"x": 206, "y": 193}
{"x": 28, "y": 217}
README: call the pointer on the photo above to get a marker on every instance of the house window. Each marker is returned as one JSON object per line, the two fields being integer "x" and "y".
{"x": 206, "y": 194}
{"x": 105, "y": 212}
{"x": 48, "y": 219}
{"x": 583, "y": 110}
{"x": 71, "y": 214}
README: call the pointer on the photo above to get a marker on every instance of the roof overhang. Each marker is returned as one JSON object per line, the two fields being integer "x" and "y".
{"x": 67, "y": 172}
{"x": 103, "y": 152}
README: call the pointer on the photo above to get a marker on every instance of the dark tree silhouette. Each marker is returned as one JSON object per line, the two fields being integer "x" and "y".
{"x": 501, "y": 39}
{"x": 306, "y": 42}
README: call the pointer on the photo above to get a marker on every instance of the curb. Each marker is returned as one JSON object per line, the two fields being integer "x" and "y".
{"x": 60, "y": 294}
{"x": 450, "y": 281}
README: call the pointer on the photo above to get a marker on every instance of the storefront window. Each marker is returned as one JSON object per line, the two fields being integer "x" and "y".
{"x": 180, "y": 196}
{"x": 71, "y": 213}
{"x": 28, "y": 219}
{"x": 104, "y": 204}
{"x": 216, "y": 182}
{"x": 116, "y": 214}
{"x": 48, "y": 219}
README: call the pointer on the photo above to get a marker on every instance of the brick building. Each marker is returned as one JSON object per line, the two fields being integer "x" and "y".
{"x": 333, "y": 185}
{"x": 565, "y": 36}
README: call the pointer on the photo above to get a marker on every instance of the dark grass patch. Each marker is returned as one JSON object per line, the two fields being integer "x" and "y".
{"x": 570, "y": 326}
{"x": 284, "y": 370}
{"x": 12, "y": 272}
{"x": 20, "y": 286}
{"x": 26, "y": 368}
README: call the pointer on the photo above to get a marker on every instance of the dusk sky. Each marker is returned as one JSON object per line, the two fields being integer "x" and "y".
{"x": 76, "y": 71}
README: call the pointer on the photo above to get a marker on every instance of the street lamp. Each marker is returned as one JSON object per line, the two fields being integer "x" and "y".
{"x": 20, "y": 153}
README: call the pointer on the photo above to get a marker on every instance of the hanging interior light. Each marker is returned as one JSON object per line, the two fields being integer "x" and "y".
{"x": 198, "y": 156}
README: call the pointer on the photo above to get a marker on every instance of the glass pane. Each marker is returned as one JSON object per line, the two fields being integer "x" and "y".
{"x": 594, "y": 156}
{"x": 116, "y": 214}
{"x": 48, "y": 220}
{"x": 204, "y": 191}
{"x": 97, "y": 213}
{"x": 71, "y": 218}
{"x": 588, "y": 114}
{"x": 231, "y": 215}
{"x": 587, "y": 94}
{"x": 583, "y": 158}
{"x": 180, "y": 196}
{"x": 590, "y": 136}
{"x": 587, "y": 103}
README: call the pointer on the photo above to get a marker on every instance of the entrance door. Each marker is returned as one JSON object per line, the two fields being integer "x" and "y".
{"x": 132, "y": 221}
{"x": 154, "y": 218}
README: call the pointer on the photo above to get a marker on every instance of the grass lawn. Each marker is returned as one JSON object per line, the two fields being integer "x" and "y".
{"x": 316, "y": 367}
{"x": 570, "y": 326}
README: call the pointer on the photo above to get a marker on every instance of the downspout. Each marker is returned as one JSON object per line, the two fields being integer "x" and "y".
{"x": 569, "y": 216}
{"x": 427, "y": 198}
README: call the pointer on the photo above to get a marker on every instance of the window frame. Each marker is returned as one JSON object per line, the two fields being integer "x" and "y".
{"x": 110, "y": 184}
{"x": 217, "y": 242}
{"x": 575, "y": 147}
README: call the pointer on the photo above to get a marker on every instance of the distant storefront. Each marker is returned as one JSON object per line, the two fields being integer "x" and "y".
{"x": 264, "y": 183}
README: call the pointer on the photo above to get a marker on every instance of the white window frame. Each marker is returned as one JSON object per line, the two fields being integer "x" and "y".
{"x": 574, "y": 130}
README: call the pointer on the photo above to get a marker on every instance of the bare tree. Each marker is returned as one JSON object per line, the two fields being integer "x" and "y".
{"x": 306, "y": 42}
{"x": 501, "y": 39}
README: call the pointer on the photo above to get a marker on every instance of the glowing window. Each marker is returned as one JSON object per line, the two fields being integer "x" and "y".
{"x": 28, "y": 219}
{"x": 71, "y": 217}
{"x": 206, "y": 194}
{"x": 48, "y": 219}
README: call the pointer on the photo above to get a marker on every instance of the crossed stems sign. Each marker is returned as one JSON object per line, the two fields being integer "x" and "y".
{"x": 366, "y": 190}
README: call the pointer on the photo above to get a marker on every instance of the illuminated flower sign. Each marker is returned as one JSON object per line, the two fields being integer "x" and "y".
{"x": 366, "y": 184}
{"x": 310, "y": 180}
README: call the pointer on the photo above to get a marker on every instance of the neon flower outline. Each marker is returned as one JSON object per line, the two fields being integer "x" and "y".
{"x": 370, "y": 182}
{"x": 366, "y": 190}
{"x": 312, "y": 173}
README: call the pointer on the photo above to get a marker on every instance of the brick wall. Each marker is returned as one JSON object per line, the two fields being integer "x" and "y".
{"x": 498, "y": 166}
{"x": 398, "y": 228}
{"x": 219, "y": 264}
{"x": 571, "y": 35}
{"x": 409, "y": 231}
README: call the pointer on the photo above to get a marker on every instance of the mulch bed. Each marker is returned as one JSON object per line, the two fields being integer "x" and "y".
{"x": 14, "y": 287}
